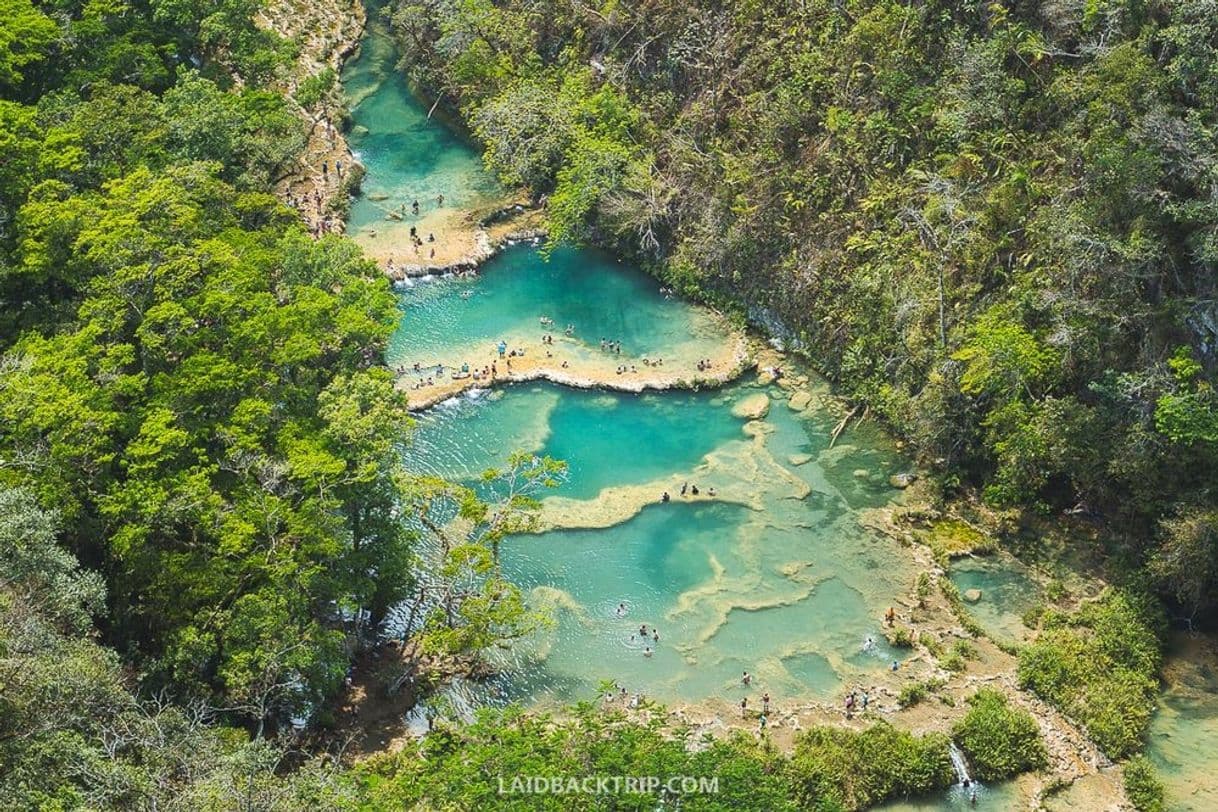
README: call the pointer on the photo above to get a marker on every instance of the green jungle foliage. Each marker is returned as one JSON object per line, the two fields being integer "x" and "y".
{"x": 994, "y": 223}
{"x": 999, "y": 740}
{"x": 1100, "y": 666}
{"x": 1143, "y": 786}
{"x": 463, "y": 767}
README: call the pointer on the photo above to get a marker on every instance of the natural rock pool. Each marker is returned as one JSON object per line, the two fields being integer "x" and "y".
{"x": 776, "y": 574}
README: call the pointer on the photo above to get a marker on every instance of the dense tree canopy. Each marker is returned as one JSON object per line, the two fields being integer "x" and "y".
{"x": 188, "y": 380}
{"x": 993, "y": 223}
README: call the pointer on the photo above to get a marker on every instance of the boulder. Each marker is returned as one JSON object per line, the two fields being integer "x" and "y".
{"x": 800, "y": 400}
{"x": 972, "y": 595}
{"x": 860, "y": 473}
{"x": 903, "y": 480}
{"x": 752, "y": 407}
{"x": 799, "y": 459}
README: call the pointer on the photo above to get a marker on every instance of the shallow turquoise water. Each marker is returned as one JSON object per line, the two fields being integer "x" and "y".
{"x": 1007, "y": 592}
{"x": 1183, "y": 737}
{"x": 789, "y": 588}
{"x": 408, "y": 157}
{"x": 778, "y": 577}
{"x": 453, "y": 319}
{"x": 586, "y": 429}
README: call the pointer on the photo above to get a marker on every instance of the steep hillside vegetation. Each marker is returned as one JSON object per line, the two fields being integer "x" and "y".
{"x": 994, "y": 224}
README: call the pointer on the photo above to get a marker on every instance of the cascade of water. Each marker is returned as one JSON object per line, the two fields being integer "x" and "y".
{"x": 959, "y": 764}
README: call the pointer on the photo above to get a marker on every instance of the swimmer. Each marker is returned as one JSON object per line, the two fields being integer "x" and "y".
{"x": 620, "y": 612}
{"x": 647, "y": 651}
{"x": 643, "y": 630}
{"x": 655, "y": 636}
{"x": 746, "y": 679}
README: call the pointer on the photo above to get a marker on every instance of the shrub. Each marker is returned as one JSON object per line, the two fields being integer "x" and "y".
{"x": 1098, "y": 666}
{"x": 833, "y": 768}
{"x": 912, "y": 694}
{"x": 999, "y": 740}
{"x": 901, "y": 638}
{"x": 1143, "y": 786}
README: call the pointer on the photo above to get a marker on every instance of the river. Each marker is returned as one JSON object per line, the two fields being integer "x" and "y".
{"x": 778, "y": 575}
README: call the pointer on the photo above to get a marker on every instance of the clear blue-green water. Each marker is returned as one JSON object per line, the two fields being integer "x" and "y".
{"x": 409, "y": 157}
{"x": 778, "y": 576}
{"x": 460, "y": 319}
{"x": 1183, "y": 737}
{"x": 1007, "y": 593}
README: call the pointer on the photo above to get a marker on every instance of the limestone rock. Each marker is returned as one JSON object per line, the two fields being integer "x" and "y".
{"x": 800, "y": 400}
{"x": 753, "y": 407}
{"x": 903, "y": 480}
{"x": 972, "y": 595}
{"x": 799, "y": 459}
{"x": 860, "y": 473}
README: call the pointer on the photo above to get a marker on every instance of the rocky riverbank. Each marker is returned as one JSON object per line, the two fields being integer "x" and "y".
{"x": 568, "y": 362}
{"x": 328, "y": 32}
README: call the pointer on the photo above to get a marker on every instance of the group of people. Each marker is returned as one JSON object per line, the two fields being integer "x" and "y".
{"x": 704, "y": 364}
{"x": 644, "y": 635}
{"x": 746, "y": 680}
{"x": 417, "y": 241}
{"x": 855, "y": 702}
{"x": 611, "y": 346}
{"x": 687, "y": 490}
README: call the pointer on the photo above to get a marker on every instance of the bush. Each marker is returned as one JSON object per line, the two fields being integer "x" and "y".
{"x": 832, "y": 768}
{"x": 1143, "y": 786}
{"x": 912, "y": 694}
{"x": 901, "y": 638}
{"x": 999, "y": 740}
{"x": 1098, "y": 666}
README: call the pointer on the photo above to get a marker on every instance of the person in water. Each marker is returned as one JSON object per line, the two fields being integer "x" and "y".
{"x": 694, "y": 490}
{"x": 665, "y": 497}
{"x": 415, "y": 207}
{"x": 746, "y": 679}
{"x": 765, "y": 702}
{"x": 643, "y": 630}
{"x": 621, "y": 610}
{"x": 647, "y": 651}
{"x": 744, "y": 706}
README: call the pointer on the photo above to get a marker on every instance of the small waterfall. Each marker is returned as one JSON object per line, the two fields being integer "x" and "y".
{"x": 959, "y": 765}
